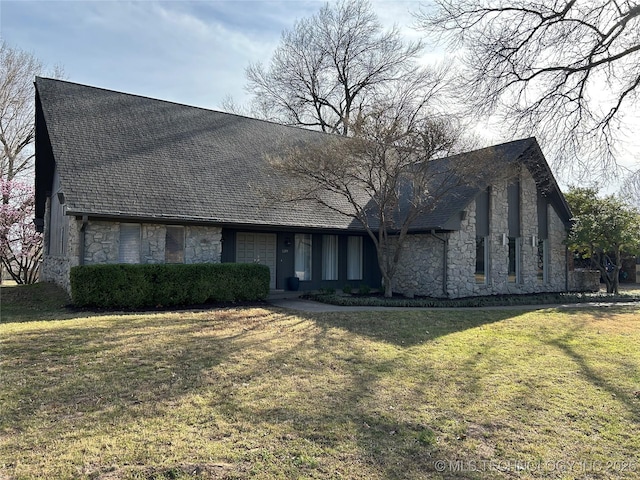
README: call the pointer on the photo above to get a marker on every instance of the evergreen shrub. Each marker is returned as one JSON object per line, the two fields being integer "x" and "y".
{"x": 167, "y": 285}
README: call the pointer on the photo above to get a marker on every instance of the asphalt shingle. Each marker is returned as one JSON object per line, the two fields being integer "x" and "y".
{"x": 122, "y": 155}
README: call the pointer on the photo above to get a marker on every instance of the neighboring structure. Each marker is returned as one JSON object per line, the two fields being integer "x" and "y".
{"x": 124, "y": 178}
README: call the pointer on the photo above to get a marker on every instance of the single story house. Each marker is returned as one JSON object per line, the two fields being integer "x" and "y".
{"x": 123, "y": 178}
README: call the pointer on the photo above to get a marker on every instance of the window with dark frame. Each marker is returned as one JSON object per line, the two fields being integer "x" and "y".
{"x": 329, "y": 257}
{"x": 513, "y": 260}
{"x": 129, "y": 247}
{"x": 303, "y": 255}
{"x": 482, "y": 236}
{"x": 354, "y": 258}
{"x": 174, "y": 245}
{"x": 513, "y": 202}
{"x": 543, "y": 240}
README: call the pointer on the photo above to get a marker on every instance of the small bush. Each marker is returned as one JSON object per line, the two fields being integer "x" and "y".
{"x": 346, "y": 289}
{"x": 364, "y": 289}
{"x": 136, "y": 286}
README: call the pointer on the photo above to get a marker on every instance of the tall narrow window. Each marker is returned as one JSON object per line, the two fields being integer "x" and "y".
{"x": 482, "y": 255}
{"x": 354, "y": 258}
{"x": 129, "y": 251}
{"x": 174, "y": 245}
{"x": 543, "y": 241}
{"x": 513, "y": 259}
{"x": 513, "y": 199}
{"x": 330, "y": 257}
{"x": 303, "y": 256}
{"x": 482, "y": 236}
{"x": 543, "y": 262}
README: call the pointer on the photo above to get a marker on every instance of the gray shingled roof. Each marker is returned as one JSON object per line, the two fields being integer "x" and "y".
{"x": 122, "y": 155}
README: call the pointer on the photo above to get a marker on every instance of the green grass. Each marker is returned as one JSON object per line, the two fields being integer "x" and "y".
{"x": 41, "y": 301}
{"x": 263, "y": 393}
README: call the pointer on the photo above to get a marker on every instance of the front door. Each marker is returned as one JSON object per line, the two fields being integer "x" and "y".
{"x": 258, "y": 248}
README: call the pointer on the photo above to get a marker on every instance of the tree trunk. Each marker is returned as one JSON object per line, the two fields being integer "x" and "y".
{"x": 616, "y": 272}
{"x": 388, "y": 292}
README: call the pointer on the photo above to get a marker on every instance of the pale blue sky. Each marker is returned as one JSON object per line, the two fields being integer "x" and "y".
{"x": 182, "y": 51}
{"x": 191, "y": 52}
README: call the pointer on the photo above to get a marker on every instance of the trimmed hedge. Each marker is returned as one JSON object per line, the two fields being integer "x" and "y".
{"x": 167, "y": 285}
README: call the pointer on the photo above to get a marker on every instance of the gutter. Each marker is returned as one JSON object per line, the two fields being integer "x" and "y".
{"x": 444, "y": 261}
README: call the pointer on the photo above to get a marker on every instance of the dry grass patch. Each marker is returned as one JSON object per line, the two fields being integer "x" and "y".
{"x": 240, "y": 393}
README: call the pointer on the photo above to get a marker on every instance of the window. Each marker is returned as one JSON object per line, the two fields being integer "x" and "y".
{"x": 513, "y": 199}
{"x": 354, "y": 258}
{"x": 543, "y": 270}
{"x": 514, "y": 260}
{"x": 303, "y": 256}
{"x": 329, "y": 257}
{"x": 129, "y": 250}
{"x": 174, "y": 245}
{"x": 482, "y": 259}
{"x": 482, "y": 235}
{"x": 543, "y": 242}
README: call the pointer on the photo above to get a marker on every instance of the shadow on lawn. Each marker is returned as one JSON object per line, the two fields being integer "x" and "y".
{"x": 628, "y": 398}
{"x": 107, "y": 371}
{"x": 409, "y": 328}
{"x": 347, "y": 413}
{"x": 314, "y": 379}
{"x": 257, "y": 369}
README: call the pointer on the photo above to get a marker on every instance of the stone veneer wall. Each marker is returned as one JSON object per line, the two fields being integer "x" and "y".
{"x": 557, "y": 253}
{"x": 152, "y": 242}
{"x": 202, "y": 245}
{"x": 102, "y": 243}
{"x": 461, "y": 257}
{"x": 56, "y": 268}
{"x": 420, "y": 268}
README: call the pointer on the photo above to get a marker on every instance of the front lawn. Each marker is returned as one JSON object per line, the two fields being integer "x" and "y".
{"x": 261, "y": 392}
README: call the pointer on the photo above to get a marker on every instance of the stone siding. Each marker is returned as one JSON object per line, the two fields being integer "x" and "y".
{"x": 202, "y": 245}
{"x": 528, "y": 281}
{"x": 461, "y": 257}
{"x": 498, "y": 268}
{"x": 102, "y": 245}
{"x": 102, "y": 242}
{"x": 557, "y": 253}
{"x": 420, "y": 268}
{"x": 152, "y": 243}
{"x": 56, "y": 268}
{"x": 581, "y": 280}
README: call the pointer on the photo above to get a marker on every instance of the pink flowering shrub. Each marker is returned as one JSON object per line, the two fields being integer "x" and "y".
{"x": 20, "y": 243}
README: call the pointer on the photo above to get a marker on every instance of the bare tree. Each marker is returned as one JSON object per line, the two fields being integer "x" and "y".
{"x": 386, "y": 176}
{"x": 564, "y": 70}
{"x": 335, "y": 65}
{"x": 18, "y": 70}
{"x": 630, "y": 190}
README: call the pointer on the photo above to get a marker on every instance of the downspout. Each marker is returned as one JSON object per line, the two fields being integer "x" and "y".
{"x": 566, "y": 266}
{"x": 83, "y": 228}
{"x": 444, "y": 261}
